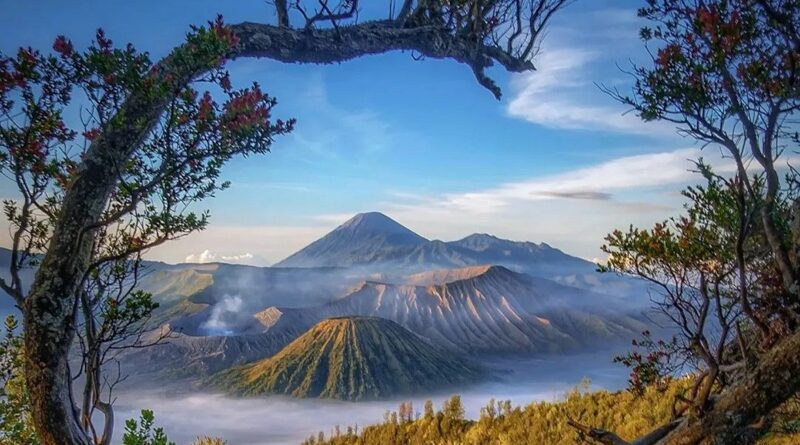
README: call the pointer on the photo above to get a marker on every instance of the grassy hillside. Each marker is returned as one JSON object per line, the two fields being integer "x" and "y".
{"x": 541, "y": 423}
{"x": 350, "y": 358}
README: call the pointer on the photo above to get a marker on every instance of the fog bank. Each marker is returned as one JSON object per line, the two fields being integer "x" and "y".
{"x": 287, "y": 421}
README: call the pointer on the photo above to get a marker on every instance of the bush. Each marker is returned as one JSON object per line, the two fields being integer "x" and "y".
{"x": 143, "y": 432}
{"x": 206, "y": 440}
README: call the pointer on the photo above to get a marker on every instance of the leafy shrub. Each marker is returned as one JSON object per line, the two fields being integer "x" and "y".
{"x": 206, "y": 440}
{"x": 143, "y": 432}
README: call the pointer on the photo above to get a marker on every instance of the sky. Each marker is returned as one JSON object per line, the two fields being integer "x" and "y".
{"x": 556, "y": 160}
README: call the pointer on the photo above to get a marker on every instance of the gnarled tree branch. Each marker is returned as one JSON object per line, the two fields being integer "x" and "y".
{"x": 326, "y": 46}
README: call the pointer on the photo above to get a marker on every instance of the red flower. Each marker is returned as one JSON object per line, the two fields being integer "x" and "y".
{"x": 63, "y": 46}
{"x": 92, "y": 134}
{"x": 205, "y": 109}
{"x": 224, "y": 32}
{"x": 102, "y": 41}
{"x": 708, "y": 19}
{"x": 668, "y": 55}
{"x": 225, "y": 82}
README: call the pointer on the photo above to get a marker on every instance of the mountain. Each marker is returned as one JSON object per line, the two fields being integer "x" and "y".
{"x": 189, "y": 358}
{"x": 367, "y": 238}
{"x": 351, "y": 358}
{"x": 373, "y": 242}
{"x": 220, "y": 299}
{"x": 480, "y": 309}
{"x": 489, "y": 249}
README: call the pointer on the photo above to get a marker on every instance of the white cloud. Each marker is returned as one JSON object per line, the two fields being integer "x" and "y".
{"x": 207, "y": 256}
{"x": 590, "y": 183}
{"x": 561, "y": 94}
{"x": 572, "y": 210}
{"x": 264, "y": 244}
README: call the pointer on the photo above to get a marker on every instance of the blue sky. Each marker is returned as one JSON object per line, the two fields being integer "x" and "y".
{"x": 555, "y": 161}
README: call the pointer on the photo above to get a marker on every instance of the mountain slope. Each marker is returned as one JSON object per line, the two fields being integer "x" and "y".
{"x": 367, "y": 238}
{"x": 487, "y": 309}
{"x": 351, "y": 358}
{"x": 187, "y": 358}
{"x": 519, "y": 255}
{"x": 220, "y": 299}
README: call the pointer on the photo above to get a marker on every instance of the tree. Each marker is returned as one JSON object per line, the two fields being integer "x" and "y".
{"x": 142, "y": 432}
{"x": 725, "y": 72}
{"x": 16, "y": 425}
{"x": 176, "y": 164}
{"x": 694, "y": 262}
{"x": 92, "y": 201}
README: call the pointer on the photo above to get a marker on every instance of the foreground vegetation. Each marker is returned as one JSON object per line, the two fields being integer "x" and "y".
{"x": 625, "y": 412}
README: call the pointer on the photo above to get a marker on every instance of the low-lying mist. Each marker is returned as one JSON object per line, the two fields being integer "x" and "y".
{"x": 284, "y": 421}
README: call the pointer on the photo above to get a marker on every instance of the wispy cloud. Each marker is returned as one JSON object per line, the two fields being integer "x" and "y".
{"x": 563, "y": 93}
{"x": 337, "y": 133}
{"x": 596, "y": 182}
{"x": 552, "y": 96}
{"x": 573, "y": 210}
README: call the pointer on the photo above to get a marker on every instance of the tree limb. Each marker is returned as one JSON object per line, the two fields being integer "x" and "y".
{"x": 326, "y": 46}
{"x": 597, "y": 434}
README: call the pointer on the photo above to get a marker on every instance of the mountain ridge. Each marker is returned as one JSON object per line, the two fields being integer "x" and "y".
{"x": 485, "y": 310}
{"x": 378, "y": 252}
{"x": 372, "y": 225}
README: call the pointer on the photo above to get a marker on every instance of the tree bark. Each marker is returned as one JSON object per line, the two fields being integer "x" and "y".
{"x": 325, "y": 46}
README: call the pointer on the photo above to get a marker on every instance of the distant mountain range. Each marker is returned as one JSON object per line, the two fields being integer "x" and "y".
{"x": 375, "y": 243}
{"x": 479, "y": 309}
{"x": 351, "y": 358}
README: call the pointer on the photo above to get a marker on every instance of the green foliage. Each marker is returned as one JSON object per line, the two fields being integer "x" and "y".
{"x": 541, "y": 423}
{"x": 143, "y": 432}
{"x": 713, "y": 58}
{"x": 711, "y": 274}
{"x": 16, "y": 425}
